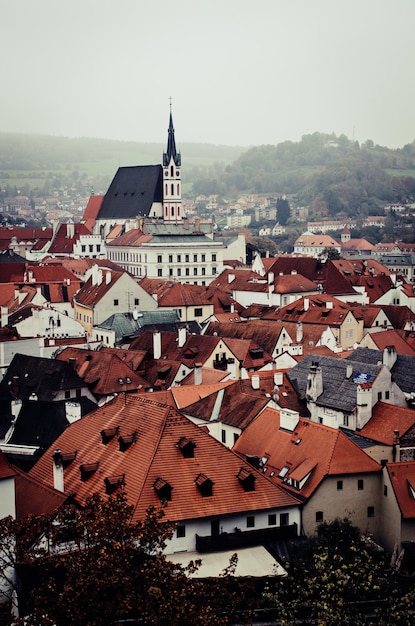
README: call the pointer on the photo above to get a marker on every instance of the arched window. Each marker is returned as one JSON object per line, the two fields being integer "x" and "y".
{"x": 172, "y": 211}
{"x": 178, "y": 189}
{"x": 171, "y": 171}
{"x": 167, "y": 189}
{"x": 172, "y": 189}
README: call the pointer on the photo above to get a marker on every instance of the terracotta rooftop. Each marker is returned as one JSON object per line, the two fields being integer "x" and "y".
{"x": 402, "y": 477}
{"x": 385, "y": 419}
{"x": 309, "y": 449}
{"x": 153, "y": 459}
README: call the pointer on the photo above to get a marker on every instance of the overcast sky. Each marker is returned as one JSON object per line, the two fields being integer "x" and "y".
{"x": 240, "y": 72}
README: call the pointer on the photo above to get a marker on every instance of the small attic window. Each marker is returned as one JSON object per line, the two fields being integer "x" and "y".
{"x": 113, "y": 482}
{"x": 284, "y": 471}
{"x": 163, "y": 489}
{"x": 68, "y": 458}
{"x": 256, "y": 353}
{"x": 186, "y": 447}
{"x": 87, "y": 469}
{"x": 126, "y": 441}
{"x": 247, "y": 479}
{"x": 205, "y": 485}
{"x": 109, "y": 433}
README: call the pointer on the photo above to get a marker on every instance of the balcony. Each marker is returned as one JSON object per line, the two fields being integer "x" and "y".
{"x": 245, "y": 539}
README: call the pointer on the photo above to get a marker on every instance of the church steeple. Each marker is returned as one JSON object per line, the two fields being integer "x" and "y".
{"x": 171, "y": 152}
{"x": 172, "y": 199}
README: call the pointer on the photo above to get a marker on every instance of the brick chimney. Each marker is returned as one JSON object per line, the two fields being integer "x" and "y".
{"x": 157, "y": 344}
{"x": 58, "y": 479}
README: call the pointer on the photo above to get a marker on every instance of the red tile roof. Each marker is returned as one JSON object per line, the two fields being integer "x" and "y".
{"x": 402, "y": 477}
{"x": 156, "y": 456}
{"x": 62, "y": 243}
{"x": 385, "y": 419}
{"x": 326, "y": 449}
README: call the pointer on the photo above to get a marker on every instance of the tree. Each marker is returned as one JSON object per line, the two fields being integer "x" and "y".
{"x": 94, "y": 566}
{"x": 283, "y": 211}
{"x": 265, "y": 245}
{"x": 338, "y": 578}
{"x": 331, "y": 253}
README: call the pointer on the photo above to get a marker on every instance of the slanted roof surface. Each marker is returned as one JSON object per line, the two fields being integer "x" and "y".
{"x": 132, "y": 192}
{"x": 153, "y": 456}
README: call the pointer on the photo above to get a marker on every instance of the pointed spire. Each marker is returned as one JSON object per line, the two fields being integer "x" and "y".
{"x": 171, "y": 152}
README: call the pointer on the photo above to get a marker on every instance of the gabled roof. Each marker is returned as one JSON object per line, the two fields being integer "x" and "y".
{"x": 311, "y": 449}
{"x": 133, "y": 237}
{"x": 90, "y": 294}
{"x": 174, "y": 294}
{"x": 132, "y": 192}
{"x": 92, "y": 209}
{"x": 154, "y": 459}
{"x": 44, "y": 378}
{"x": 319, "y": 309}
{"x": 129, "y": 325}
{"x": 403, "y": 370}
{"x": 197, "y": 348}
{"x": 384, "y": 339}
{"x": 402, "y": 477}
{"x": 385, "y": 419}
{"x": 64, "y": 239}
{"x": 339, "y": 390}
{"x": 102, "y": 370}
{"x": 234, "y": 405}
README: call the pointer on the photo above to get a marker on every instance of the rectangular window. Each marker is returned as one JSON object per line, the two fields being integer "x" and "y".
{"x": 360, "y": 484}
{"x": 339, "y": 485}
{"x": 319, "y": 516}
{"x": 214, "y": 258}
{"x": 203, "y": 258}
{"x": 223, "y": 435}
{"x": 284, "y": 519}
{"x": 379, "y": 396}
{"x": 159, "y": 258}
{"x": 385, "y": 490}
{"x": 67, "y": 394}
{"x": 98, "y": 247}
{"x": 250, "y": 521}
{"x": 159, "y": 272}
{"x": 214, "y": 527}
{"x": 186, "y": 258}
{"x": 136, "y": 301}
{"x": 198, "y": 312}
{"x": 187, "y": 271}
{"x": 181, "y": 531}
{"x": 83, "y": 248}
{"x": 387, "y": 395}
{"x": 170, "y": 258}
{"x": 179, "y": 271}
{"x": 213, "y": 271}
{"x": 170, "y": 271}
{"x": 371, "y": 511}
{"x": 179, "y": 258}
{"x": 195, "y": 271}
{"x": 116, "y": 302}
{"x": 272, "y": 519}
{"x": 195, "y": 258}
{"x": 203, "y": 271}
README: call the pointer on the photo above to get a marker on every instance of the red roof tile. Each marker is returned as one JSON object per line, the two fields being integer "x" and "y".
{"x": 402, "y": 477}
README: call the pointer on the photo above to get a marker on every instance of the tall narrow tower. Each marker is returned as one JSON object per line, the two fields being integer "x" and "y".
{"x": 172, "y": 188}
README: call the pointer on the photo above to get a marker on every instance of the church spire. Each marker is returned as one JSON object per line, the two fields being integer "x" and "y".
{"x": 171, "y": 152}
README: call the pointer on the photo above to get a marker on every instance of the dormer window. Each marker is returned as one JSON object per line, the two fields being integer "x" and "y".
{"x": 109, "y": 433}
{"x": 126, "y": 441}
{"x": 113, "y": 482}
{"x": 247, "y": 479}
{"x": 186, "y": 447}
{"x": 87, "y": 470}
{"x": 163, "y": 489}
{"x": 205, "y": 485}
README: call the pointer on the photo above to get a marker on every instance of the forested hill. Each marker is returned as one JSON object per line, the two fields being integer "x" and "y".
{"x": 321, "y": 170}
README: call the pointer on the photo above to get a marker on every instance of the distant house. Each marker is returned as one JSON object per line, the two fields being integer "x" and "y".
{"x": 108, "y": 291}
{"x": 190, "y": 301}
{"x": 75, "y": 239}
{"x": 398, "y": 505}
{"x": 315, "y": 245}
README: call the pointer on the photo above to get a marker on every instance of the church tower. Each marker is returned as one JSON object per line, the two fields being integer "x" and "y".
{"x": 172, "y": 188}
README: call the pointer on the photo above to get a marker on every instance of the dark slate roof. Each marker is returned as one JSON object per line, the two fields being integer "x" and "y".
{"x": 339, "y": 392}
{"x": 362, "y": 442}
{"x": 132, "y": 192}
{"x": 403, "y": 371}
{"x": 42, "y": 377}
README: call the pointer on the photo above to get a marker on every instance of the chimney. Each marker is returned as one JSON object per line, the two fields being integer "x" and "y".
{"x": 396, "y": 448}
{"x": 107, "y": 278}
{"x": 349, "y": 371}
{"x": 182, "y": 336}
{"x": 197, "y": 225}
{"x": 314, "y": 382}
{"x": 278, "y": 379}
{"x": 389, "y": 356}
{"x": 198, "y": 374}
{"x": 329, "y": 305}
{"x": 232, "y": 369}
{"x": 70, "y": 230}
{"x": 232, "y": 308}
{"x": 299, "y": 332}
{"x": 363, "y": 404}
{"x": 288, "y": 419}
{"x": 157, "y": 344}
{"x": 271, "y": 278}
{"x": 58, "y": 481}
{"x": 306, "y": 304}
{"x": 255, "y": 382}
{"x": 4, "y": 316}
{"x": 231, "y": 278}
